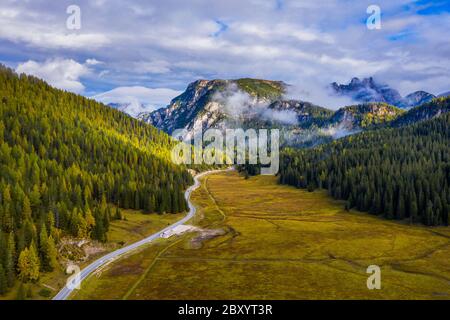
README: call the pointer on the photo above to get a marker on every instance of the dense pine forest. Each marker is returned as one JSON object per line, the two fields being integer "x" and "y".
{"x": 400, "y": 173}
{"x": 67, "y": 163}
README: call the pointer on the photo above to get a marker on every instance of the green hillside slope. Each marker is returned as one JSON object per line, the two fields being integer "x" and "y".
{"x": 64, "y": 160}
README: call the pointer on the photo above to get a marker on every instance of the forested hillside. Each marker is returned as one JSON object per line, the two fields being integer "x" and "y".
{"x": 365, "y": 115}
{"x": 66, "y": 163}
{"x": 425, "y": 111}
{"x": 400, "y": 173}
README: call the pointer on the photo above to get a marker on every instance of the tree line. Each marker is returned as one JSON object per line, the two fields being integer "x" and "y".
{"x": 399, "y": 173}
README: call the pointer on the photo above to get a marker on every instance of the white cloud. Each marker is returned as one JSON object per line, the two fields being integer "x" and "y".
{"x": 155, "y": 66}
{"x": 61, "y": 73}
{"x": 140, "y": 10}
{"x": 103, "y": 73}
{"x": 280, "y": 116}
{"x": 297, "y": 41}
{"x": 283, "y": 30}
{"x": 37, "y": 36}
{"x": 93, "y": 62}
{"x": 9, "y": 13}
{"x": 24, "y": 22}
{"x": 137, "y": 96}
{"x": 317, "y": 94}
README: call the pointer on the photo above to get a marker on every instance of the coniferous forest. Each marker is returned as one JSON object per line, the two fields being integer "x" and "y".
{"x": 66, "y": 164}
{"x": 399, "y": 173}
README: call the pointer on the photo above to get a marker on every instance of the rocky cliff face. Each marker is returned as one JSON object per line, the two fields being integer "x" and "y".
{"x": 367, "y": 90}
{"x": 210, "y": 103}
{"x": 253, "y": 103}
{"x": 418, "y": 98}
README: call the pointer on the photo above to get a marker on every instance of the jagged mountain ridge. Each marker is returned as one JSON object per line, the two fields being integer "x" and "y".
{"x": 205, "y": 103}
{"x": 417, "y": 98}
{"x": 253, "y": 103}
{"x": 216, "y": 103}
{"x": 368, "y": 90}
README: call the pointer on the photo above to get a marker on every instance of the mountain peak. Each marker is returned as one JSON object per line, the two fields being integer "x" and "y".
{"x": 369, "y": 90}
{"x": 369, "y": 82}
{"x": 417, "y": 98}
{"x": 205, "y": 103}
{"x": 355, "y": 80}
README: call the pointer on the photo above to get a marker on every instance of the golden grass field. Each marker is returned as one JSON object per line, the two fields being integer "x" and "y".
{"x": 278, "y": 242}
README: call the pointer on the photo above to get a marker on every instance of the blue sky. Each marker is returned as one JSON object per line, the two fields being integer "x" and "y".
{"x": 150, "y": 50}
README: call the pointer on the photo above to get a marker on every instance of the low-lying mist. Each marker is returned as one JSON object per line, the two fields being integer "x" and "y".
{"x": 317, "y": 94}
{"x": 240, "y": 106}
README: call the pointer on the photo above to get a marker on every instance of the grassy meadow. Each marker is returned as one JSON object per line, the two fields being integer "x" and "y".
{"x": 261, "y": 240}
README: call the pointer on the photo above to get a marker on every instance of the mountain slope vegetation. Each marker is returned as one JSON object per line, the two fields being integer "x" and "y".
{"x": 365, "y": 115}
{"x": 400, "y": 173}
{"x": 252, "y": 103}
{"x": 267, "y": 89}
{"x": 64, "y": 162}
{"x": 207, "y": 103}
{"x": 425, "y": 111}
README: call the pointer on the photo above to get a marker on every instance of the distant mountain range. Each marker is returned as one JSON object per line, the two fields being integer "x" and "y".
{"x": 368, "y": 90}
{"x": 256, "y": 103}
{"x": 210, "y": 103}
{"x": 134, "y": 109}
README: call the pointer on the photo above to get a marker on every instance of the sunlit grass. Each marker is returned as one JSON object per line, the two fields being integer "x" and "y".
{"x": 281, "y": 243}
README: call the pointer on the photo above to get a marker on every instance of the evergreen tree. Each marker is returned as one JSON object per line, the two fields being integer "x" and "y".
{"x": 400, "y": 206}
{"x": 47, "y": 255}
{"x": 90, "y": 220}
{"x": 413, "y": 208}
{"x": 3, "y": 281}
{"x": 10, "y": 259}
{"x": 7, "y": 223}
{"x": 26, "y": 209}
{"x": 21, "y": 292}
{"x": 51, "y": 255}
{"x": 28, "y": 264}
{"x": 118, "y": 214}
{"x": 429, "y": 213}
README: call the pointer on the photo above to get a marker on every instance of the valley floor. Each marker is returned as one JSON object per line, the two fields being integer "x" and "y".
{"x": 260, "y": 240}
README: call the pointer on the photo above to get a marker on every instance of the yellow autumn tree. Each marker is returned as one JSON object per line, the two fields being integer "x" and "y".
{"x": 28, "y": 264}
